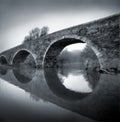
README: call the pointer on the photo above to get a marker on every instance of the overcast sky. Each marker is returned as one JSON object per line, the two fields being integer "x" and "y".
{"x": 18, "y": 17}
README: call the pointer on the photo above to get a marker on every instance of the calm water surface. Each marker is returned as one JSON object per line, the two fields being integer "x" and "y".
{"x": 25, "y": 94}
{"x": 79, "y": 80}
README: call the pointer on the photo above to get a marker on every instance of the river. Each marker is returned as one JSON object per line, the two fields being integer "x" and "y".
{"x": 68, "y": 94}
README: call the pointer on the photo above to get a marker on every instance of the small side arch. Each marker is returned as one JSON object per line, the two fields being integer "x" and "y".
{"x": 24, "y": 56}
{"x": 3, "y": 60}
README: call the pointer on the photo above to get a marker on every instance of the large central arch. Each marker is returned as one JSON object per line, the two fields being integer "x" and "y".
{"x": 50, "y": 64}
{"x": 54, "y": 49}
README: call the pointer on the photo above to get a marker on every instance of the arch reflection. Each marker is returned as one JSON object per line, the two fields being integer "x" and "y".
{"x": 71, "y": 75}
{"x": 58, "y": 84}
{"x": 24, "y": 66}
{"x": 24, "y": 74}
{"x": 81, "y": 81}
{"x": 3, "y": 70}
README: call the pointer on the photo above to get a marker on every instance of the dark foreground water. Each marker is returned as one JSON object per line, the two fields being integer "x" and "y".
{"x": 62, "y": 95}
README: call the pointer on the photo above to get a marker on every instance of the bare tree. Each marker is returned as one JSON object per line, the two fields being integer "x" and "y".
{"x": 36, "y": 33}
{"x": 44, "y": 31}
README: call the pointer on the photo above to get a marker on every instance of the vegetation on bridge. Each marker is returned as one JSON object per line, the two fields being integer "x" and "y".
{"x": 36, "y": 33}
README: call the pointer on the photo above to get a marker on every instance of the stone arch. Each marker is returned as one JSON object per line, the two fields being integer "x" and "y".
{"x": 50, "y": 64}
{"x": 3, "y": 60}
{"x": 21, "y": 55}
{"x": 64, "y": 41}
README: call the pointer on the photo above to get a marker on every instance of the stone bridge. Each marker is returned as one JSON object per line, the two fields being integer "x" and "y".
{"x": 101, "y": 35}
{"x": 103, "y": 38}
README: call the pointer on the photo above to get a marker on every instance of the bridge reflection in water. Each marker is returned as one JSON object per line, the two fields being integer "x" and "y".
{"x": 98, "y": 99}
